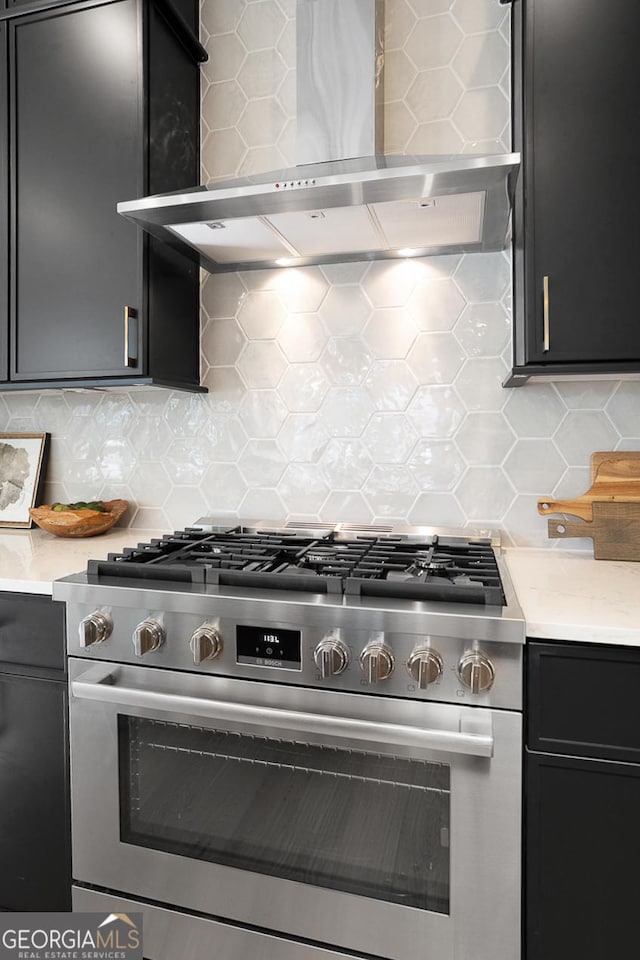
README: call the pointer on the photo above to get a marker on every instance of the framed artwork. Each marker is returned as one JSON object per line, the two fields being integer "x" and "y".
{"x": 22, "y": 467}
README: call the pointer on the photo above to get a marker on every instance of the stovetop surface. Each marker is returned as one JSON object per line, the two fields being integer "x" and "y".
{"x": 387, "y": 562}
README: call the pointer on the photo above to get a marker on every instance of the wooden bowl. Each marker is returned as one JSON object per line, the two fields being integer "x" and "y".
{"x": 79, "y": 523}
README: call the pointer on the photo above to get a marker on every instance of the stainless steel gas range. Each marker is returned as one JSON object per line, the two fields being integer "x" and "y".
{"x": 299, "y": 742}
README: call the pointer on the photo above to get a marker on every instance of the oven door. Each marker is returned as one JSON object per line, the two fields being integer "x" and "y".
{"x": 384, "y": 826}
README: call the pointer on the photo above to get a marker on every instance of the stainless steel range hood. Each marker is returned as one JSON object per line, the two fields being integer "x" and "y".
{"x": 345, "y": 201}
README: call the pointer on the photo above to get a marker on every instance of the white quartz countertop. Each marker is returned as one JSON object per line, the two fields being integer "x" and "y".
{"x": 567, "y": 595}
{"x": 30, "y": 560}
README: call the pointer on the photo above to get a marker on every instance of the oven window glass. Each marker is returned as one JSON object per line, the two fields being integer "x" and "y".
{"x": 362, "y": 823}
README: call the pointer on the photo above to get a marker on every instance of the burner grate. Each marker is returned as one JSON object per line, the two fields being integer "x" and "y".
{"x": 442, "y": 569}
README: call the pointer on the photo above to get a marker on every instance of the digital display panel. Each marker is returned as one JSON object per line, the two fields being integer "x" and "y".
{"x": 269, "y": 647}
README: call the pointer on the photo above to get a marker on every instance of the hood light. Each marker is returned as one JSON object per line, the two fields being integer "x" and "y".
{"x": 285, "y": 262}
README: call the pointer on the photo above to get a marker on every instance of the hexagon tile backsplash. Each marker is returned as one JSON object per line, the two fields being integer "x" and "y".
{"x": 347, "y": 392}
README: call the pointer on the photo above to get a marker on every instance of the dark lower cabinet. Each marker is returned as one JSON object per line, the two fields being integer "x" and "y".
{"x": 34, "y": 817}
{"x": 582, "y": 801}
{"x": 35, "y": 846}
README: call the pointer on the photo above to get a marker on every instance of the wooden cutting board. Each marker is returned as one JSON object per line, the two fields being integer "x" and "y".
{"x": 616, "y": 464}
{"x": 615, "y": 530}
{"x": 615, "y": 477}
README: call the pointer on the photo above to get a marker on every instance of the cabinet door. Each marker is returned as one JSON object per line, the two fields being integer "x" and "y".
{"x": 582, "y": 194}
{"x": 32, "y": 632}
{"x": 582, "y": 856}
{"x": 582, "y": 700}
{"x": 77, "y": 149}
{"x": 4, "y": 210}
{"x": 34, "y": 814}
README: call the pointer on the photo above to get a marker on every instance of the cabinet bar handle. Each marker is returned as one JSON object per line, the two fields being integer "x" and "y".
{"x": 545, "y": 314}
{"x": 130, "y": 337}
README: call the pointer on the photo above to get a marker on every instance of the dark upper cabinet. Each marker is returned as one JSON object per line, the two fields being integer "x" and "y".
{"x": 582, "y": 796}
{"x": 103, "y": 106}
{"x": 77, "y": 147}
{"x": 576, "y": 107}
{"x": 4, "y": 209}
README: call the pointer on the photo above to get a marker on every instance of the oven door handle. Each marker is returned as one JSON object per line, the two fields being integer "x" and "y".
{"x": 102, "y": 683}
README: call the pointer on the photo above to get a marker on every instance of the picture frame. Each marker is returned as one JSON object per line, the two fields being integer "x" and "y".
{"x": 23, "y": 458}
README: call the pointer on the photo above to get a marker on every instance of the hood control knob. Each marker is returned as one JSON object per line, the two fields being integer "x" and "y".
{"x": 96, "y": 628}
{"x": 147, "y": 637}
{"x": 206, "y": 643}
{"x": 425, "y": 666}
{"x": 331, "y": 656}
{"x": 376, "y": 661}
{"x": 476, "y": 671}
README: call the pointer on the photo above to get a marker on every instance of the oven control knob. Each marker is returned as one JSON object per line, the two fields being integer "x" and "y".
{"x": 331, "y": 656}
{"x": 206, "y": 643}
{"x": 147, "y": 637}
{"x": 476, "y": 671}
{"x": 425, "y": 666}
{"x": 96, "y": 628}
{"x": 376, "y": 661}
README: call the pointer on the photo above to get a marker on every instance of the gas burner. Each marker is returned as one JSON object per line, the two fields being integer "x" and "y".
{"x": 317, "y": 557}
{"x": 428, "y": 563}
